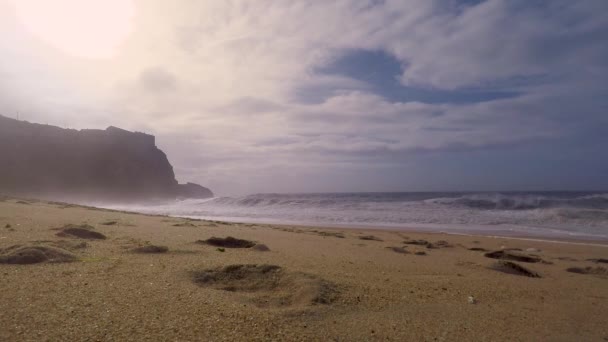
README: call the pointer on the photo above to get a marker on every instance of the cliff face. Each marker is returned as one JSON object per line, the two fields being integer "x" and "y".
{"x": 42, "y": 160}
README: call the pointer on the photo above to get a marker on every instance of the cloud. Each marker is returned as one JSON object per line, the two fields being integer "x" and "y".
{"x": 158, "y": 80}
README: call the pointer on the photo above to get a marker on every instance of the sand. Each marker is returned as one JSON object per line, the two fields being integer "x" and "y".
{"x": 312, "y": 284}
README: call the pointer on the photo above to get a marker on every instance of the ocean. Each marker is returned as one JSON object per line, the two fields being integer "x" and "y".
{"x": 580, "y": 215}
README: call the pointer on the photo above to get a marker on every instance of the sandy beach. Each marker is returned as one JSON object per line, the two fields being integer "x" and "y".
{"x": 71, "y": 273}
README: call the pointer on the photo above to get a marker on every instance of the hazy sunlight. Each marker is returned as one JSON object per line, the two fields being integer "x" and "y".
{"x": 82, "y": 28}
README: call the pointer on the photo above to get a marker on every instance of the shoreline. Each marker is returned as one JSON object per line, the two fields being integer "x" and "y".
{"x": 591, "y": 240}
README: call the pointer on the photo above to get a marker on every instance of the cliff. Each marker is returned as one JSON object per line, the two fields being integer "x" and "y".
{"x": 46, "y": 161}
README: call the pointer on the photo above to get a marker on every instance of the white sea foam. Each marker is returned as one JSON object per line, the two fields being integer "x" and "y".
{"x": 583, "y": 215}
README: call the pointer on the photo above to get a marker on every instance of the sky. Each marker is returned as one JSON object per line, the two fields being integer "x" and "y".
{"x": 327, "y": 96}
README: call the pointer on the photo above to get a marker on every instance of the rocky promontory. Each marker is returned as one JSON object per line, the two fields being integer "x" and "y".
{"x": 112, "y": 164}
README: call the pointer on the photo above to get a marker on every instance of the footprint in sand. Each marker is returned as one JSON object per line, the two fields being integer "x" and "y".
{"x": 34, "y": 254}
{"x": 268, "y": 285}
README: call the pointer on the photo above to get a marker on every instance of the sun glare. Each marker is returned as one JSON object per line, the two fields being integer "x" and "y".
{"x": 82, "y": 28}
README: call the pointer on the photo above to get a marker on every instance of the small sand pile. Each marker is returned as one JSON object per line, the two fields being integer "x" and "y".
{"x": 268, "y": 285}
{"x": 427, "y": 244}
{"x": 24, "y": 255}
{"x": 513, "y": 268}
{"x": 416, "y": 242}
{"x": 599, "y": 261}
{"x": 70, "y": 245}
{"x": 184, "y": 224}
{"x": 83, "y": 232}
{"x": 150, "y": 249}
{"x": 370, "y": 238}
{"x": 332, "y": 234}
{"x": 109, "y": 223}
{"x": 588, "y": 270}
{"x": 399, "y": 250}
{"x": 261, "y": 248}
{"x": 228, "y": 242}
{"x": 514, "y": 256}
{"x": 443, "y": 244}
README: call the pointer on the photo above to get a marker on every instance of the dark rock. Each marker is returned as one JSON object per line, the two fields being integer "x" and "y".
{"x": 420, "y": 253}
{"x": 478, "y": 249}
{"x": 228, "y": 242}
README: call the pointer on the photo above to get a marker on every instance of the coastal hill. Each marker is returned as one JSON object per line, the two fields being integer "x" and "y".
{"x": 112, "y": 164}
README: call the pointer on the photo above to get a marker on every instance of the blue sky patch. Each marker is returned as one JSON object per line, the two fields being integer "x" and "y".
{"x": 380, "y": 72}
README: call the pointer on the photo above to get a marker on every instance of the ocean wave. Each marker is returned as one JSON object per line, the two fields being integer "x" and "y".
{"x": 524, "y": 202}
{"x": 568, "y": 212}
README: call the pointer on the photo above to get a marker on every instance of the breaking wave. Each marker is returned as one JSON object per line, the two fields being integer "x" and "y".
{"x": 541, "y": 213}
{"x": 525, "y": 202}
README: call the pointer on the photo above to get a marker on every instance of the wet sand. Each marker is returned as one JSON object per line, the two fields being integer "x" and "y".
{"x": 159, "y": 278}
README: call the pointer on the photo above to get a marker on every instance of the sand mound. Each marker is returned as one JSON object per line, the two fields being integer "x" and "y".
{"x": 70, "y": 245}
{"x": 429, "y": 245}
{"x": 513, "y": 255}
{"x": 268, "y": 285}
{"x": 109, "y": 223}
{"x": 602, "y": 261}
{"x": 332, "y": 234}
{"x": 416, "y": 242}
{"x": 82, "y": 232}
{"x": 23, "y": 255}
{"x": 513, "y": 268}
{"x": 399, "y": 250}
{"x": 370, "y": 238}
{"x": 261, "y": 248}
{"x": 184, "y": 224}
{"x": 443, "y": 244}
{"x": 151, "y": 249}
{"x": 588, "y": 270}
{"x": 228, "y": 242}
